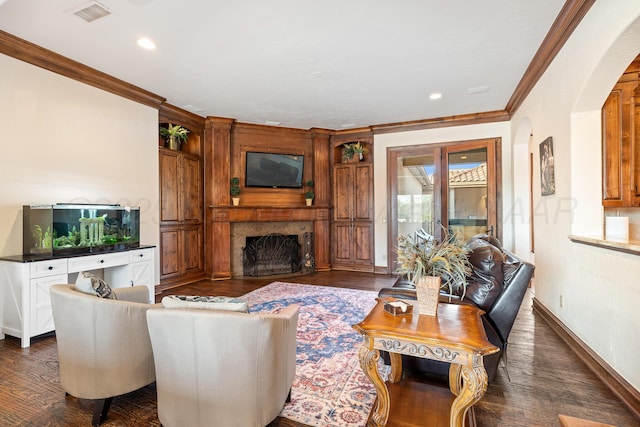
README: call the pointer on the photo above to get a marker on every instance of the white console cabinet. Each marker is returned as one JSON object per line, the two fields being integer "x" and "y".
{"x": 25, "y": 305}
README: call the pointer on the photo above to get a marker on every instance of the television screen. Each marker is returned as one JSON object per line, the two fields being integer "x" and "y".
{"x": 274, "y": 170}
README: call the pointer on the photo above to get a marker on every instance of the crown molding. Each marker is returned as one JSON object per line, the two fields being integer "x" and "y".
{"x": 440, "y": 122}
{"x": 23, "y": 50}
{"x": 568, "y": 19}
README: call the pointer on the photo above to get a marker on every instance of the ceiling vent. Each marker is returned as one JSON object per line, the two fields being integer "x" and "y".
{"x": 91, "y": 11}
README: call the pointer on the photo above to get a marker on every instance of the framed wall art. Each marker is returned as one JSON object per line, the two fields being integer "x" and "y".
{"x": 547, "y": 171}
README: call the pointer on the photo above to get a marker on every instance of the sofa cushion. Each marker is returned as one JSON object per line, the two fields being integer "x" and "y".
{"x": 91, "y": 284}
{"x": 212, "y": 303}
{"x": 485, "y": 282}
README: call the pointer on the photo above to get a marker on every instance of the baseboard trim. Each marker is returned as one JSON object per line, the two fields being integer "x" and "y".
{"x": 618, "y": 385}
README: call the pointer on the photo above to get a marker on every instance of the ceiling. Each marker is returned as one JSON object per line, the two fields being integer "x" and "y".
{"x": 334, "y": 64}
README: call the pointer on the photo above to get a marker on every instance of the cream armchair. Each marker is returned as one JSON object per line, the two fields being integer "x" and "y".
{"x": 103, "y": 344}
{"x": 222, "y": 368}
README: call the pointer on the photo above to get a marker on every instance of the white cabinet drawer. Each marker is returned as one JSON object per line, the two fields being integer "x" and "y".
{"x": 95, "y": 262}
{"x": 141, "y": 255}
{"x": 48, "y": 268}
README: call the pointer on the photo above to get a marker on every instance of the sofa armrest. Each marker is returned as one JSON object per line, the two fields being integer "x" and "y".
{"x": 133, "y": 294}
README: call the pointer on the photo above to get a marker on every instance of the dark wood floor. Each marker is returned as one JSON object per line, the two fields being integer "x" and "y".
{"x": 547, "y": 379}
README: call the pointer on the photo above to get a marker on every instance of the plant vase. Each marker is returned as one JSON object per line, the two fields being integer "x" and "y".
{"x": 309, "y": 202}
{"x": 236, "y": 201}
{"x": 173, "y": 144}
{"x": 427, "y": 292}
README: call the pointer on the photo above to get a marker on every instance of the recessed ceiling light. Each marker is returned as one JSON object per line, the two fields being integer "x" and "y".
{"x": 146, "y": 43}
{"x": 435, "y": 96}
{"x": 270, "y": 123}
{"x": 348, "y": 125}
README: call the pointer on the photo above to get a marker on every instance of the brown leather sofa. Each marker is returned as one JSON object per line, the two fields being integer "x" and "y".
{"x": 497, "y": 285}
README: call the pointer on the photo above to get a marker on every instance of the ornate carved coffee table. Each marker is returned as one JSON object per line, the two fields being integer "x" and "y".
{"x": 455, "y": 335}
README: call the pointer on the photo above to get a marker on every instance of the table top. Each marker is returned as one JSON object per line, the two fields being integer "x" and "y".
{"x": 48, "y": 257}
{"x": 456, "y": 324}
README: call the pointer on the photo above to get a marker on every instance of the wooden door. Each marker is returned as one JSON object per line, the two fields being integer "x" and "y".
{"x": 423, "y": 190}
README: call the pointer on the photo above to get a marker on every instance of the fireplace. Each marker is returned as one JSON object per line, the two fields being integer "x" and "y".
{"x": 271, "y": 254}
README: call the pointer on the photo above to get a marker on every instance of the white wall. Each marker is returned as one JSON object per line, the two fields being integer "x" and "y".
{"x": 64, "y": 141}
{"x": 433, "y": 136}
{"x": 600, "y": 287}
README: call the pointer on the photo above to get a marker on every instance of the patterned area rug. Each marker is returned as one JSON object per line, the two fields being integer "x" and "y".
{"x": 330, "y": 389}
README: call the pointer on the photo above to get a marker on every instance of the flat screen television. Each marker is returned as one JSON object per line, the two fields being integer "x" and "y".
{"x": 274, "y": 170}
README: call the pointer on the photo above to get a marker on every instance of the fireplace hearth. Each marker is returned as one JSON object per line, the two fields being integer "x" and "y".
{"x": 271, "y": 254}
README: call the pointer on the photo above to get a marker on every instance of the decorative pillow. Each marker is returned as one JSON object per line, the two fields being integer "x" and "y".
{"x": 91, "y": 284}
{"x": 212, "y": 303}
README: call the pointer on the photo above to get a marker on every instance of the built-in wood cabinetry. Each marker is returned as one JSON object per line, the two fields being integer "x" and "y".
{"x": 226, "y": 145}
{"x": 621, "y": 141}
{"x": 352, "y": 245}
{"x": 181, "y": 203}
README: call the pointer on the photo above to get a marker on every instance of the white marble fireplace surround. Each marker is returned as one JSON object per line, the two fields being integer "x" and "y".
{"x": 240, "y": 230}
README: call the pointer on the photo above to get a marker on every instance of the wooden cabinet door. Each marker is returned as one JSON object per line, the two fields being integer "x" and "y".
{"x": 362, "y": 194}
{"x": 342, "y": 189}
{"x": 191, "y": 189}
{"x": 620, "y": 159}
{"x": 363, "y": 243}
{"x": 170, "y": 252}
{"x": 353, "y": 195}
{"x": 352, "y": 239}
{"x": 169, "y": 185}
{"x": 352, "y": 246}
{"x": 342, "y": 243}
{"x": 181, "y": 228}
{"x": 193, "y": 247}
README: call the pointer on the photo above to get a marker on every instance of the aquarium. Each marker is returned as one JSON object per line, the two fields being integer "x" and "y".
{"x": 67, "y": 229}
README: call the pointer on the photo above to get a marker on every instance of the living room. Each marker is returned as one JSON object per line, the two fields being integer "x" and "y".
{"x": 68, "y": 141}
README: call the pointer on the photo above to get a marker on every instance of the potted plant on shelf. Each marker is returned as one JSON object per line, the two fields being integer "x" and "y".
{"x": 309, "y": 195}
{"x": 174, "y": 136}
{"x": 356, "y": 149}
{"x": 433, "y": 266}
{"x": 234, "y": 190}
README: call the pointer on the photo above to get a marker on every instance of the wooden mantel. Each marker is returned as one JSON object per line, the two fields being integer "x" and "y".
{"x": 271, "y": 214}
{"x": 223, "y": 216}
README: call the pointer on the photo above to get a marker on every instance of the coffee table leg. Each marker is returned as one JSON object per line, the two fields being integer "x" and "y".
{"x": 396, "y": 367}
{"x": 369, "y": 363}
{"x": 472, "y": 388}
{"x": 454, "y": 378}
